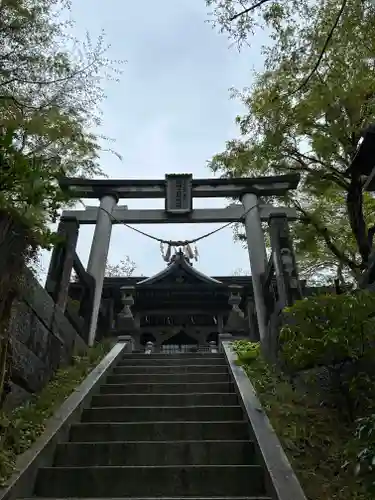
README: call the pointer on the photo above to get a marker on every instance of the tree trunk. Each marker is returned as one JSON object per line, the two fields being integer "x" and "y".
{"x": 354, "y": 203}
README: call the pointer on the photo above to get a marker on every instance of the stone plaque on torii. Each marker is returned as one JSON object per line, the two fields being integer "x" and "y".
{"x": 179, "y": 190}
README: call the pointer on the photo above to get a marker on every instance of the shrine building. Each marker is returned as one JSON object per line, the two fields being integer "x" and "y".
{"x": 177, "y": 309}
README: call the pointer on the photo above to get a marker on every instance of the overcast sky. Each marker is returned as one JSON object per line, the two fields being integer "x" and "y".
{"x": 170, "y": 113}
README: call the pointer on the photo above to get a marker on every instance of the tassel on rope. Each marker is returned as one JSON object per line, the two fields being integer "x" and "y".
{"x": 168, "y": 254}
{"x": 162, "y": 250}
{"x": 165, "y": 254}
{"x": 196, "y": 253}
{"x": 189, "y": 251}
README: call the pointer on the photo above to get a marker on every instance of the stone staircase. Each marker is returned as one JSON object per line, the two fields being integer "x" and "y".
{"x": 162, "y": 426}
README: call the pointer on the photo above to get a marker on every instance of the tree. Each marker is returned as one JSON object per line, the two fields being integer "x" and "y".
{"x": 125, "y": 268}
{"x": 240, "y": 272}
{"x": 314, "y": 130}
{"x": 50, "y": 92}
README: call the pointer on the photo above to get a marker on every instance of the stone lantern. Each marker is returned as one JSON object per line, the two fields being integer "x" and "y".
{"x": 125, "y": 318}
{"x": 236, "y": 321}
{"x": 235, "y": 295}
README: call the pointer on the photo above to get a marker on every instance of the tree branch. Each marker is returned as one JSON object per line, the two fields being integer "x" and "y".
{"x": 68, "y": 77}
{"x": 335, "y": 174}
{"x": 324, "y": 233}
{"x": 249, "y": 9}
{"x": 319, "y": 60}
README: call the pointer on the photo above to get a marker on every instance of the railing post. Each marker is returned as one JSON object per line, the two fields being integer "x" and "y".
{"x": 224, "y": 337}
{"x": 149, "y": 348}
{"x": 129, "y": 342}
{"x": 213, "y": 347}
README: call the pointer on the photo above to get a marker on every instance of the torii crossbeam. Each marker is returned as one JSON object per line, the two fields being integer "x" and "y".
{"x": 121, "y": 215}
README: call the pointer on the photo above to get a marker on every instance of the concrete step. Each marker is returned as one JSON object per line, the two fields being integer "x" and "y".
{"x": 186, "y": 480}
{"x": 168, "y": 369}
{"x": 168, "y": 388}
{"x": 179, "y": 355}
{"x": 162, "y": 414}
{"x": 159, "y": 431}
{"x": 151, "y": 453}
{"x": 167, "y": 361}
{"x": 211, "y": 399}
{"x": 179, "y": 378}
{"x": 158, "y": 498}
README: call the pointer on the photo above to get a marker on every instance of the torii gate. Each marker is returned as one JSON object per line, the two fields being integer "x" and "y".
{"x": 179, "y": 191}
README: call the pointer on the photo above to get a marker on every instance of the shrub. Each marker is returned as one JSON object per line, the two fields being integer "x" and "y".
{"x": 336, "y": 332}
{"x": 246, "y": 351}
{"x": 317, "y": 441}
{"x": 327, "y": 330}
{"x": 365, "y": 467}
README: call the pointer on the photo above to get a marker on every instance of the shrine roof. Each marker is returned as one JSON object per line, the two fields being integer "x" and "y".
{"x": 178, "y": 272}
{"x": 112, "y": 285}
{"x": 162, "y": 290}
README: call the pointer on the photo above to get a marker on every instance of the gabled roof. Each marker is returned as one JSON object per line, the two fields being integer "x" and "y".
{"x": 179, "y": 272}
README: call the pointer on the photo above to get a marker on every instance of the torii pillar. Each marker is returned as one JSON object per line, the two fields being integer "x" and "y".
{"x": 258, "y": 257}
{"x": 98, "y": 255}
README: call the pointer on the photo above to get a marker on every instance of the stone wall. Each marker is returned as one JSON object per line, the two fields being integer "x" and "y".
{"x": 41, "y": 340}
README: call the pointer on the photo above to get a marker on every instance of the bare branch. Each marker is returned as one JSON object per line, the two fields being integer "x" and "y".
{"x": 51, "y": 82}
{"x": 319, "y": 60}
{"x": 249, "y": 9}
{"x": 324, "y": 233}
{"x": 335, "y": 174}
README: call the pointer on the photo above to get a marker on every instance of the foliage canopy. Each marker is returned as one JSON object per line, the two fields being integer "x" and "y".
{"x": 50, "y": 92}
{"x": 314, "y": 130}
{"x": 124, "y": 268}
